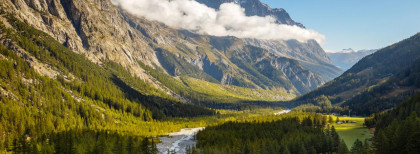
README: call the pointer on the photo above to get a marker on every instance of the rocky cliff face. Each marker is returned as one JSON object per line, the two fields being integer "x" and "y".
{"x": 255, "y": 8}
{"x": 309, "y": 54}
{"x": 103, "y": 32}
{"x": 94, "y": 28}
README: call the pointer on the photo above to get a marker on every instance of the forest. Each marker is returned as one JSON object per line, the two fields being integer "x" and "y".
{"x": 376, "y": 83}
{"x": 87, "y": 108}
{"x": 397, "y": 130}
{"x": 83, "y": 97}
{"x": 294, "y": 133}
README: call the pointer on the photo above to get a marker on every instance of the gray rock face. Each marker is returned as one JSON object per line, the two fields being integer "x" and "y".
{"x": 103, "y": 32}
{"x": 270, "y": 70}
{"x": 255, "y": 8}
{"x": 309, "y": 54}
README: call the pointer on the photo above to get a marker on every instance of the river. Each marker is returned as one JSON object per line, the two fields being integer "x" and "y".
{"x": 178, "y": 141}
{"x": 283, "y": 112}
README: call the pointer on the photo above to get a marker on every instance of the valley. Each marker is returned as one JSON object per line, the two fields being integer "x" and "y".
{"x": 198, "y": 77}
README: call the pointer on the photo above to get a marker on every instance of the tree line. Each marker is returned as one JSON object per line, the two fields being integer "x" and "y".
{"x": 397, "y": 130}
{"x": 300, "y": 134}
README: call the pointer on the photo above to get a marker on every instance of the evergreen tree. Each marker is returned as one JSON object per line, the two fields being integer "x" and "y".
{"x": 145, "y": 146}
{"x": 335, "y": 139}
{"x": 302, "y": 149}
{"x": 285, "y": 150}
{"x": 330, "y": 120}
{"x": 342, "y": 148}
{"x": 357, "y": 147}
{"x": 154, "y": 149}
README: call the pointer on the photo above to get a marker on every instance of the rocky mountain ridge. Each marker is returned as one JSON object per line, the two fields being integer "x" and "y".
{"x": 105, "y": 33}
{"x": 255, "y": 8}
{"x": 309, "y": 54}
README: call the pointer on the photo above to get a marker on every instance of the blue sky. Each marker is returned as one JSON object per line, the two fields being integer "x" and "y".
{"x": 357, "y": 24}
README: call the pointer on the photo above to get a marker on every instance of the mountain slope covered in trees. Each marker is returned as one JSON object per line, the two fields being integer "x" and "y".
{"x": 72, "y": 94}
{"x": 106, "y": 34}
{"x": 397, "y": 130}
{"x": 377, "y": 82}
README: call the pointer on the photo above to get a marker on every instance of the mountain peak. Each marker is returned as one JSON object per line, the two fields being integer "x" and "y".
{"x": 256, "y": 8}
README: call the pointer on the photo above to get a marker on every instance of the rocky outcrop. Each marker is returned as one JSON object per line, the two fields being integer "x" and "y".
{"x": 102, "y": 32}
{"x": 94, "y": 28}
{"x": 309, "y": 54}
{"x": 255, "y": 8}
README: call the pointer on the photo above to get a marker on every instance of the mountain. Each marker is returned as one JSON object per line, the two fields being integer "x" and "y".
{"x": 173, "y": 63}
{"x": 255, "y": 8}
{"x": 309, "y": 54}
{"x": 346, "y": 58}
{"x": 377, "y": 82}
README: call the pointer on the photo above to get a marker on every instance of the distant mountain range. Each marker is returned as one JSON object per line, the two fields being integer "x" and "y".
{"x": 346, "y": 58}
{"x": 377, "y": 82}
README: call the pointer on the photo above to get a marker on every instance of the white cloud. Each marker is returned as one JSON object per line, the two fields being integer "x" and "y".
{"x": 229, "y": 20}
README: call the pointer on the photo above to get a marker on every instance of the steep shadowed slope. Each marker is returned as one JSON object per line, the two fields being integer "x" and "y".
{"x": 377, "y": 82}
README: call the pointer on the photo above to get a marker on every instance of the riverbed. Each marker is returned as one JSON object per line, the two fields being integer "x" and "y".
{"x": 283, "y": 112}
{"x": 178, "y": 141}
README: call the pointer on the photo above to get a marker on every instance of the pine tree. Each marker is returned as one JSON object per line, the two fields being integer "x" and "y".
{"x": 357, "y": 147}
{"x": 154, "y": 149}
{"x": 380, "y": 142}
{"x": 312, "y": 150}
{"x": 285, "y": 150}
{"x": 366, "y": 147}
{"x": 335, "y": 139}
{"x": 145, "y": 146}
{"x": 302, "y": 149}
{"x": 342, "y": 148}
{"x": 330, "y": 120}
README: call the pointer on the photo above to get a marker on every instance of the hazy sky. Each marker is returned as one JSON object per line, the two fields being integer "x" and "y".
{"x": 357, "y": 24}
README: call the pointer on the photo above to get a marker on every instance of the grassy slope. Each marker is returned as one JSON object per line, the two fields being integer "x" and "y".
{"x": 216, "y": 95}
{"x": 236, "y": 93}
{"x": 352, "y": 131}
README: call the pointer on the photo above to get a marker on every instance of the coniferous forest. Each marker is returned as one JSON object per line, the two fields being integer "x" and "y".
{"x": 241, "y": 97}
{"x": 288, "y": 135}
{"x": 397, "y": 130}
{"x": 86, "y": 110}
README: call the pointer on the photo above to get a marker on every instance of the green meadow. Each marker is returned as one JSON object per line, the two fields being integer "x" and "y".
{"x": 349, "y": 132}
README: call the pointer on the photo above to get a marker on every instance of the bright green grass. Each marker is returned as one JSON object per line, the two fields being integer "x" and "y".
{"x": 229, "y": 93}
{"x": 349, "y": 132}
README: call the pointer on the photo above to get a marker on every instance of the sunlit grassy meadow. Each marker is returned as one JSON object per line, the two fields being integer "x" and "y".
{"x": 349, "y": 132}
